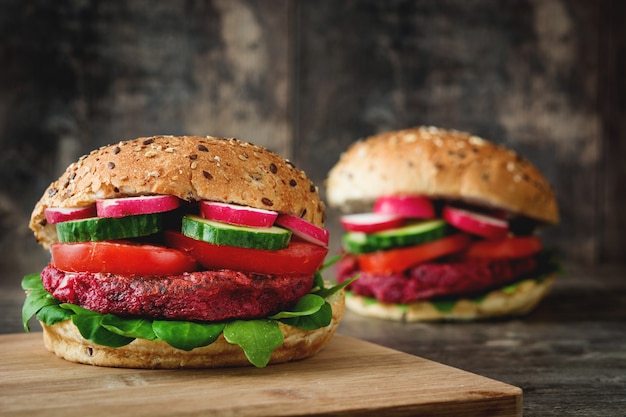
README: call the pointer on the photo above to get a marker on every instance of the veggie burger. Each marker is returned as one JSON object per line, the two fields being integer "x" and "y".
{"x": 441, "y": 225}
{"x": 170, "y": 252}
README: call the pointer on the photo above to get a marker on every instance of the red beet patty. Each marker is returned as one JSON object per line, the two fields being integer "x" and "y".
{"x": 202, "y": 296}
{"x": 432, "y": 280}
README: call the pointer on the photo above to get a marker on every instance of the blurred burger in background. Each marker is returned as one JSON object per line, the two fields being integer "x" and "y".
{"x": 441, "y": 225}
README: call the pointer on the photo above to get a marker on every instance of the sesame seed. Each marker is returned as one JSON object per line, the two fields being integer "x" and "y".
{"x": 111, "y": 165}
{"x": 202, "y": 148}
{"x": 267, "y": 201}
{"x": 193, "y": 156}
{"x": 116, "y": 150}
{"x": 148, "y": 141}
{"x": 273, "y": 168}
{"x": 207, "y": 175}
{"x": 150, "y": 154}
{"x": 194, "y": 164}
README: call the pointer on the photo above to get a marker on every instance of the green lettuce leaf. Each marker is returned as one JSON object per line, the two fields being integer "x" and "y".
{"x": 187, "y": 335}
{"x": 257, "y": 338}
{"x": 130, "y": 327}
{"x": 309, "y": 304}
{"x": 90, "y": 327}
{"x": 321, "y": 318}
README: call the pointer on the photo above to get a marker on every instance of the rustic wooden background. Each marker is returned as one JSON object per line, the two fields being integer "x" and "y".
{"x": 306, "y": 78}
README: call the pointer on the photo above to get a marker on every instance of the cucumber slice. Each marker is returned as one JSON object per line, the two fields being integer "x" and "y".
{"x": 97, "y": 228}
{"x": 224, "y": 234}
{"x": 412, "y": 234}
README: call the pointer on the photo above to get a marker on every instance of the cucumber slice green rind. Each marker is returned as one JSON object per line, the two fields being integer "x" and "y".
{"x": 223, "y": 234}
{"x": 105, "y": 228}
{"x": 413, "y": 234}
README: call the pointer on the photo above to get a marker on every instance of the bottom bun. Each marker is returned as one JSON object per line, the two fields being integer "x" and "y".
{"x": 497, "y": 303}
{"x": 64, "y": 340}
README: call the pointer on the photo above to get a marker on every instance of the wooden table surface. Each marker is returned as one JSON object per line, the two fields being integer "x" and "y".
{"x": 569, "y": 356}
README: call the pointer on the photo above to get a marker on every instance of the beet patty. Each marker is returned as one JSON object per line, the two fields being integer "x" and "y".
{"x": 431, "y": 280}
{"x": 201, "y": 296}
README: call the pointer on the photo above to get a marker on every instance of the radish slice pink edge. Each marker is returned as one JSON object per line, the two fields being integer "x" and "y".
{"x": 238, "y": 215}
{"x": 130, "y": 206}
{"x": 370, "y": 222}
{"x": 476, "y": 223}
{"x": 405, "y": 206}
{"x": 64, "y": 214}
{"x": 303, "y": 229}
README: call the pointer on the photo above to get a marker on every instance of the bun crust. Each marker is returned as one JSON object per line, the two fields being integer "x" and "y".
{"x": 189, "y": 167}
{"x": 64, "y": 340}
{"x": 496, "y": 303}
{"x": 441, "y": 164}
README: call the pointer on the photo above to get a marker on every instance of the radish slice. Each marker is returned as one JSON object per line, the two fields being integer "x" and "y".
{"x": 370, "y": 222}
{"x": 64, "y": 214}
{"x": 130, "y": 206}
{"x": 476, "y": 223}
{"x": 239, "y": 215}
{"x": 303, "y": 229}
{"x": 406, "y": 206}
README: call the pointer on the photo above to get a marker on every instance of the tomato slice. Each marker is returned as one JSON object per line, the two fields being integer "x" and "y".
{"x": 512, "y": 247}
{"x": 299, "y": 257}
{"x": 121, "y": 258}
{"x": 398, "y": 260}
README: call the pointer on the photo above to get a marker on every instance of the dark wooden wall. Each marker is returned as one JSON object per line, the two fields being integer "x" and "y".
{"x": 306, "y": 78}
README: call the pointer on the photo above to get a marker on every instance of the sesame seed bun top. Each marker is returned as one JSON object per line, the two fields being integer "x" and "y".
{"x": 189, "y": 167}
{"x": 442, "y": 164}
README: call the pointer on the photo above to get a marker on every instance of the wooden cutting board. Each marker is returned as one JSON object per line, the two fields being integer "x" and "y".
{"x": 349, "y": 377}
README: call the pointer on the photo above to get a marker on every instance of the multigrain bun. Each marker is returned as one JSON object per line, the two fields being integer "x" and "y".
{"x": 191, "y": 168}
{"x": 65, "y": 341}
{"x": 443, "y": 164}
